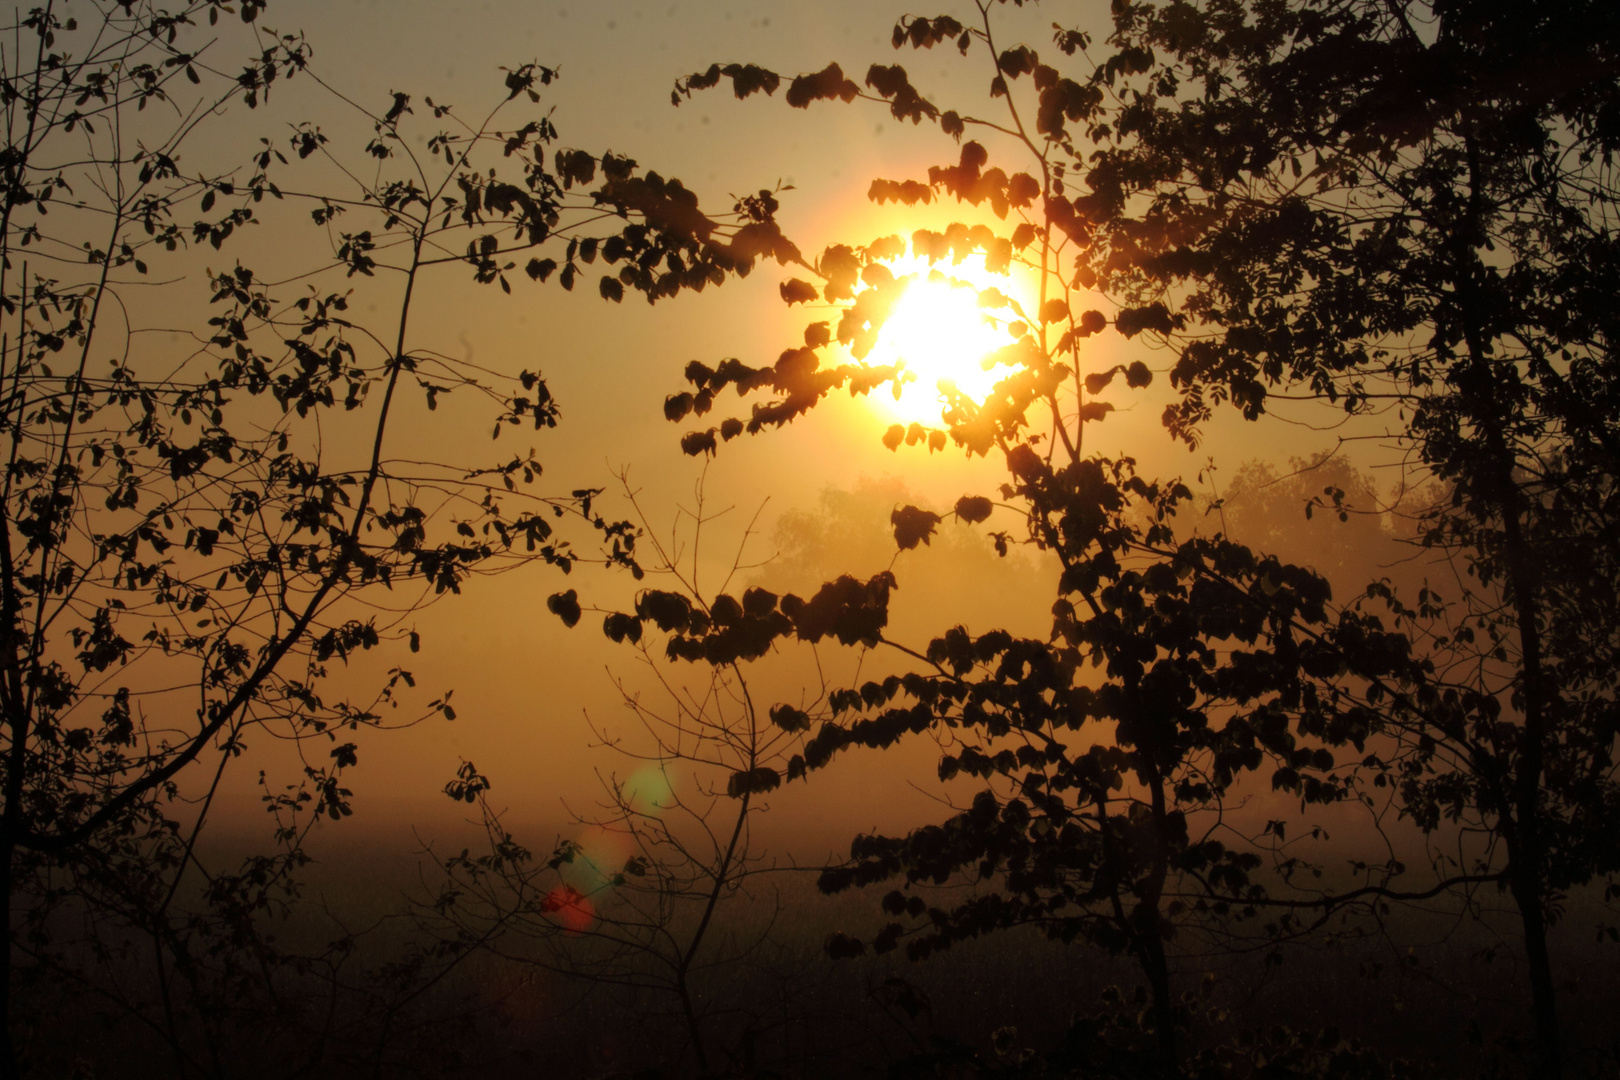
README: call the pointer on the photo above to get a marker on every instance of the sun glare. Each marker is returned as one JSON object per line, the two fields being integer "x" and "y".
{"x": 941, "y": 336}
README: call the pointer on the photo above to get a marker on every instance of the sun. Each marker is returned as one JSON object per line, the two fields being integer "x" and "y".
{"x": 942, "y": 337}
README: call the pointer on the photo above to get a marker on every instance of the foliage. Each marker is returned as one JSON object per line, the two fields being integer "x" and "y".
{"x": 1441, "y": 202}
{"x": 649, "y": 897}
{"x": 1393, "y": 210}
{"x": 201, "y": 531}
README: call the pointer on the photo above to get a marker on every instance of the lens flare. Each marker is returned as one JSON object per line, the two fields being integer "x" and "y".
{"x": 569, "y": 909}
{"x": 647, "y": 791}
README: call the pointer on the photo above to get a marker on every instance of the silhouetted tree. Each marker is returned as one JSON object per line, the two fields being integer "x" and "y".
{"x": 1407, "y": 207}
{"x": 667, "y": 912}
{"x": 191, "y": 531}
{"x": 1398, "y": 210}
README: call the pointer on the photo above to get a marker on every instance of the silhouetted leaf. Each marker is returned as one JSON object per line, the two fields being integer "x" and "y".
{"x": 973, "y": 509}
{"x": 694, "y": 443}
{"x": 912, "y": 526}
{"x": 619, "y": 626}
{"x": 753, "y": 782}
{"x": 795, "y": 291}
{"x": 788, "y": 718}
{"x": 1132, "y": 321}
{"x": 565, "y": 605}
{"x": 826, "y": 84}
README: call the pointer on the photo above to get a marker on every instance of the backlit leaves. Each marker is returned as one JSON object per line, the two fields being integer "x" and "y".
{"x": 972, "y": 509}
{"x": 798, "y": 291}
{"x": 827, "y": 84}
{"x": 912, "y": 526}
{"x": 565, "y": 605}
{"x": 746, "y": 80}
{"x": 905, "y": 103}
{"x": 1132, "y": 321}
{"x": 753, "y": 782}
{"x": 924, "y": 33}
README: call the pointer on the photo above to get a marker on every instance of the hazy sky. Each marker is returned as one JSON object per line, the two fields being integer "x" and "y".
{"x": 523, "y": 683}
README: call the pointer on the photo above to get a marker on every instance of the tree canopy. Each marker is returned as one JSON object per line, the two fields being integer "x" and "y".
{"x": 1388, "y": 220}
{"x": 1397, "y": 212}
{"x": 199, "y": 532}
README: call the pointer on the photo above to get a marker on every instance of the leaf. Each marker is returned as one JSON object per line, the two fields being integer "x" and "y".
{"x": 575, "y": 167}
{"x": 748, "y": 79}
{"x": 1155, "y": 317}
{"x": 1017, "y": 61}
{"x": 468, "y": 784}
{"x": 826, "y": 84}
{"x": 788, "y": 718}
{"x": 565, "y": 606}
{"x": 797, "y": 291}
{"x": 694, "y": 443}
{"x": 753, "y": 782}
{"x": 973, "y": 509}
{"x": 913, "y": 526}
{"x": 851, "y": 610}
{"x": 620, "y": 626}
{"x": 670, "y": 612}
{"x": 909, "y": 192}
{"x": 1022, "y": 190}
{"x": 676, "y": 406}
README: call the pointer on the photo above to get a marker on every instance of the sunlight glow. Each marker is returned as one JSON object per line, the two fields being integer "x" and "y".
{"x": 942, "y": 337}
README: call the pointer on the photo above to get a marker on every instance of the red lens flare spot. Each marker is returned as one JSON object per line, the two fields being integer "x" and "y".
{"x": 569, "y": 908}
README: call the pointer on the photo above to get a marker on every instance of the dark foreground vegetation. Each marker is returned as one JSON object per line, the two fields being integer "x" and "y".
{"x": 1390, "y": 219}
{"x": 1014, "y": 1004}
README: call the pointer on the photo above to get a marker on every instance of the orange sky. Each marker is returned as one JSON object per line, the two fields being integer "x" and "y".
{"x": 523, "y": 684}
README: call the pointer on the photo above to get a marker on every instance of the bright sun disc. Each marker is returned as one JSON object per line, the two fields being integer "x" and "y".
{"x": 942, "y": 338}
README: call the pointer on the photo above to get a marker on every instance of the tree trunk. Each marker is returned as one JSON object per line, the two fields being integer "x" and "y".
{"x": 1157, "y": 968}
{"x": 1493, "y": 474}
{"x": 1526, "y": 888}
{"x": 10, "y": 1065}
{"x": 1150, "y": 927}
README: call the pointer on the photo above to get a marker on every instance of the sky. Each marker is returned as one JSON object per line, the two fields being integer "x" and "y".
{"x": 534, "y": 700}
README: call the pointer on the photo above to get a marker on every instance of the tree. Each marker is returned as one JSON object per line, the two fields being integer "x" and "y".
{"x": 1397, "y": 211}
{"x": 196, "y": 539}
{"x": 666, "y": 912}
{"x": 1437, "y": 182}
{"x": 1102, "y": 810}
